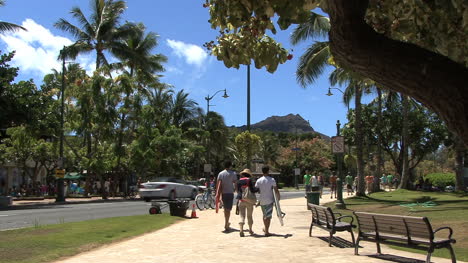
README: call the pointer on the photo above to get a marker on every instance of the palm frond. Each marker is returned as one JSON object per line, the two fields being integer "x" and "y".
{"x": 10, "y": 27}
{"x": 66, "y": 26}
{"x": 88, "y": 28}
{"x": 312, "y": 63}
{"x": 316, "y": 26}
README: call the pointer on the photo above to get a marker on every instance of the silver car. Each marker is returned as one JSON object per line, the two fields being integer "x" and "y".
{"x": 167, "y": 188}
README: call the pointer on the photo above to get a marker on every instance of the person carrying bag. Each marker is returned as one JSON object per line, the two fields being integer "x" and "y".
{"x": 247, "y": 200}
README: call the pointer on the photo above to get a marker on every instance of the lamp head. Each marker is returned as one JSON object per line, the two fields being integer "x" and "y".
{"x": 225, "y": 94}
{"x": 329, "y": 92}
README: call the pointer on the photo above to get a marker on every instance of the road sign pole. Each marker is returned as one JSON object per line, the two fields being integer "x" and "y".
{"x": 338, "y": 149}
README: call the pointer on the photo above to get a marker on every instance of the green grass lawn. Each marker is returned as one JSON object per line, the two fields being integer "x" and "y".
{"x": 448, "y": 209}
{"x": 51, "y": 242}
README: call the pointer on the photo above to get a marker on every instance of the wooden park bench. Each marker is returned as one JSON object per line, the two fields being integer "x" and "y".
{"x": 406, "y": 231}
{"x": 324, "y": 218}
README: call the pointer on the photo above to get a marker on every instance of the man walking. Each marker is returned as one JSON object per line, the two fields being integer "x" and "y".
{"x": 307, "y": 177}
{"x": 333, "y": 181}
{"x": 349, "y": 184}
{"x": 226, "y": 181}
{"x": 266, "y": 184}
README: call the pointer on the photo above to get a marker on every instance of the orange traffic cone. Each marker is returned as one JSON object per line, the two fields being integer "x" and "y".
{"x": 194, "y": 212}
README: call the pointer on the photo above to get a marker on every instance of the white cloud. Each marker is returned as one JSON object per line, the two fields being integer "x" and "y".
{"x": 37, "y": 49}
{"x": 192, "y": 54}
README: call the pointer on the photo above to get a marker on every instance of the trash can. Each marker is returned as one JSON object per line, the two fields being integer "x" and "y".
{"x": 178, "y": 208}
{"x": 313, "y": 197}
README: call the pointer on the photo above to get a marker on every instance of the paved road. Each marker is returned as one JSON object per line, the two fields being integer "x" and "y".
{"x": 55, "y": 214}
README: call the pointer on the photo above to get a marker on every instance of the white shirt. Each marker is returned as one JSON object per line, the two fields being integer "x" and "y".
{"x": 314, "y": 181}
{"x": 265, "y": 184}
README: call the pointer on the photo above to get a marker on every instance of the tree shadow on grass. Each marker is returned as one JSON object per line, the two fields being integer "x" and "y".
{"x": 366, "y": 200}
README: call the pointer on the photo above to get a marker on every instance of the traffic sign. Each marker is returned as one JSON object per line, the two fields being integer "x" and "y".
{"x": 207, "y": 168}
{"x": 60, "y": 173}
{"x": 338, "y": 144}
{"x": 297, "y": 171}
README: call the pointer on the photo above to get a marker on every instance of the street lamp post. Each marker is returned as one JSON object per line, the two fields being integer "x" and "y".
{"x": 208, "y": 98}
{"x": 60, "y": 184}
{"x": 249, "y": 146}
{"x": 339, "y": 156}
{"x": 330, "y": 93}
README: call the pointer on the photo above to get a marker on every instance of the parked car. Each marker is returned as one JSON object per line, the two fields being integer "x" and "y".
{"x": 167, "y": 188}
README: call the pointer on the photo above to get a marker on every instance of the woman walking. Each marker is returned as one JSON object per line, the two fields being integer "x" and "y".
{"x": 246, "y": 195}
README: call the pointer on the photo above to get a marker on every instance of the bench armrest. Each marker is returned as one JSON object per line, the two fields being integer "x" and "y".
{"x": 445, "y": 227}
{"x": 339, "y": 214}
{"x": 341, "y": 217}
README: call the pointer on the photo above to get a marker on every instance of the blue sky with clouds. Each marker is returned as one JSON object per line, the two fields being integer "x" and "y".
{"x": 183, "y": 28}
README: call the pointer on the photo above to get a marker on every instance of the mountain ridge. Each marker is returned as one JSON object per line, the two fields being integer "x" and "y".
{"x": 291, "y": 123}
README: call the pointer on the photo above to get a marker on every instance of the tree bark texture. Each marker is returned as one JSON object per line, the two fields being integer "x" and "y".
{"x": 432, "y": 79}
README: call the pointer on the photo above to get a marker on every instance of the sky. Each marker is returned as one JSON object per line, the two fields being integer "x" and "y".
{"x": 183, "y": 28}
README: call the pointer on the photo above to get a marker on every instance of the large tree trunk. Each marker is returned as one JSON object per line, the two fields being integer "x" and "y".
{"x": 361, "y": 187}
{"x": 434, "y": 80}
{"x": 404, "y": 144}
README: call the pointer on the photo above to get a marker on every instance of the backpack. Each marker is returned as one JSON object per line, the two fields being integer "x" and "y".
{"x": 247, "y": 195}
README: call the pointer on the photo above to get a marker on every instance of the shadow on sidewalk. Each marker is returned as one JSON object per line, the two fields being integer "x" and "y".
{"x": 394, "y": 258}
{"x": 272, "y": 235}
{"x": 338, "y": 242}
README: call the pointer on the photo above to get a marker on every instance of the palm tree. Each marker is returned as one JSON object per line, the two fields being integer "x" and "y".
{"x": 9, "y": 27}
{"x": 135, "y": 53}
{"x": 312, "y": 64}
{"x": 355, "y": 86}
{"x": 182, "y": 109}
{"x": 102, "y": 32}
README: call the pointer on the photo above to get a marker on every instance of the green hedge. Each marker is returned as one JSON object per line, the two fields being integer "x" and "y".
{"x": 441, "y": 179}
{"x": 280, "y": 185}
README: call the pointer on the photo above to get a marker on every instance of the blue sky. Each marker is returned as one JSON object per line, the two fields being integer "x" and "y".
{"x": 183, "y": 28}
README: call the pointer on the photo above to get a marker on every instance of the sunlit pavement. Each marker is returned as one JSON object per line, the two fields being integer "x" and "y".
{"x": 202, "y": 240}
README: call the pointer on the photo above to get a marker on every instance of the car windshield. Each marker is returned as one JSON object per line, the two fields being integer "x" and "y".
{"x": 160, "y": 179}
{"x": 167, "y": 180}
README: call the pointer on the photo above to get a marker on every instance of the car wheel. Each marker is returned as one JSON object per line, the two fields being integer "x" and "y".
{"x": 172, "y": 195}
{"x": 153, "y": 211}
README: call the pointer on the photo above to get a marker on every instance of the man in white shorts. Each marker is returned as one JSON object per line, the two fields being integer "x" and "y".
{"x": 266, "y": 184}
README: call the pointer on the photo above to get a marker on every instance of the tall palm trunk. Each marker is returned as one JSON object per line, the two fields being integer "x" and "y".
{"x": 404, "y": 145}
{"x": 380, "y": 163}
{"x": 361, "y": 187}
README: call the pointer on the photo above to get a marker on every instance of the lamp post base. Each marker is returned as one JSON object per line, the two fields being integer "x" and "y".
{"x": 340, "y": 205}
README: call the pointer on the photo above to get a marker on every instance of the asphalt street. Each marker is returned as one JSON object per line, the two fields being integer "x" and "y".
{"x": 62, "y": 213}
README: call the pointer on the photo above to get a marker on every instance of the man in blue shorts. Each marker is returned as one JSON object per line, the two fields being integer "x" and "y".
{"x": 266, "y": 184}
{"x": 228, "y": 180}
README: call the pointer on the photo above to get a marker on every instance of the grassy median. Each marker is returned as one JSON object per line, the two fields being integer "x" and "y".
{"x": 51, "y": 242}
{"x": 442, "y": 209}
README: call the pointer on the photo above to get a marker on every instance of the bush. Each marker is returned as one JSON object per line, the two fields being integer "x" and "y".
{"x": 280, "y": 185}
{"x": 441, "y": 179}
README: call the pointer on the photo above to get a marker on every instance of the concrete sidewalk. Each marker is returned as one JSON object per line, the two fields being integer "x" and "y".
{"x": 202, "y": 240}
